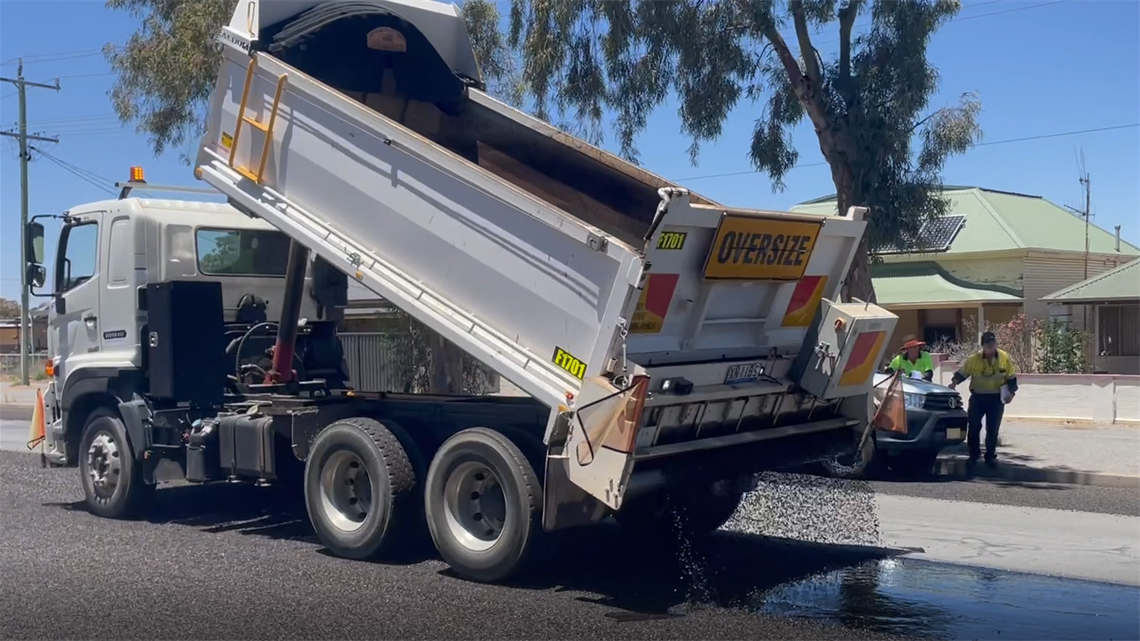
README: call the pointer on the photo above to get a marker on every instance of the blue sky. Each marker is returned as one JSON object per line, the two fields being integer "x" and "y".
{"x": 1042, "y": 68}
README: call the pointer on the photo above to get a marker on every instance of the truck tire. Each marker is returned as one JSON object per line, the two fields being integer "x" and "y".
{"x": 484, "y": 503}
{"x": 689, "y": 511}
{"x": 359, "y": 489}
{"x": 869, "y": 464}
{"x": 113, "y": 484}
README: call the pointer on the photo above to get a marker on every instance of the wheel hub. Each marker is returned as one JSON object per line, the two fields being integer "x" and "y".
{"x": 476, "y": 507}
{"x": 346, "y": 491}
{"x": 104, "y": 464}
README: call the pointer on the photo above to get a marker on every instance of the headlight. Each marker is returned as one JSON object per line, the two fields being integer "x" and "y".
{"x": 913, "y": 401}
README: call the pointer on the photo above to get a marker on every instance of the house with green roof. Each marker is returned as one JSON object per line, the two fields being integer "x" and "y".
{"x": 994, "y": 255}
{"x": 1114, "y": 298}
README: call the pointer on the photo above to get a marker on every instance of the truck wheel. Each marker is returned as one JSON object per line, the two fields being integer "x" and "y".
{"x": 868, "y": 464}
{"x": 359, "y": 489}
{"x": 112, "y": 478}
{"x": 695, "y": 511}
{"x": 483, "y": 503}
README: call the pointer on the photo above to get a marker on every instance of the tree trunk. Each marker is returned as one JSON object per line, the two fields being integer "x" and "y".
{"x": 858, "y": 282}
{"x": 446, "y": 366}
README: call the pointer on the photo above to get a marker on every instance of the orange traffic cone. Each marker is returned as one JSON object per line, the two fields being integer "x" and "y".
{"x": 892, "y": 411}
{"x": 38, "y": 433}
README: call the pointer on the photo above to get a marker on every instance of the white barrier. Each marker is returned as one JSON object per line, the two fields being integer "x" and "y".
{"x": 1075, "y": 398}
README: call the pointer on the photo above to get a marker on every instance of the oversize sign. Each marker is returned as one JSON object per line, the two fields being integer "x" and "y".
{"x": 755, "y": 248}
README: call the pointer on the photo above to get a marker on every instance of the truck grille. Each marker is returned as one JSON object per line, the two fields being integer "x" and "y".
{"x": 943, "y": 402}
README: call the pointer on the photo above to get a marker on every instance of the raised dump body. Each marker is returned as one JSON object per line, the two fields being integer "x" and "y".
{"x": 362, "y": 130}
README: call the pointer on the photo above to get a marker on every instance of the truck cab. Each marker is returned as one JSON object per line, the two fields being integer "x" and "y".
{"x": 107, "y": 253}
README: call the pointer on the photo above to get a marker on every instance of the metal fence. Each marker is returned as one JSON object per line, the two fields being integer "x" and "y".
{"x": 369, "y": 359}
{"x": 10, "y": 366}
{"x": 401, "y": 362}
{"x": 377, "y": 362}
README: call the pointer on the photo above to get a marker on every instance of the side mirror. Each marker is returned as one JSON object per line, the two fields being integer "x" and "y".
{"x": 34, "y": 243}
{"x": 35, "y": 275}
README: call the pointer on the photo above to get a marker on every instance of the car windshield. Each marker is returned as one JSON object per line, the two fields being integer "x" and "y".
{"x": 242, "y": 252}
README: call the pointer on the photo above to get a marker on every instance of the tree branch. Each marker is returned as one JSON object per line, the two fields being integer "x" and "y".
{"x": 802, "y": 87}
{"x": 807, "y": 50}
{"x": 847, "y": 17}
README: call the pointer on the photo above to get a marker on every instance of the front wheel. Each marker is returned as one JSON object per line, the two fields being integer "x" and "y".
{"x": 113, "y": 484}
{"x": 483, "y": 502}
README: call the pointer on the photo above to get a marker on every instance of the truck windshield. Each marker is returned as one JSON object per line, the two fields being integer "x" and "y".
{"x": 242, "y": 252}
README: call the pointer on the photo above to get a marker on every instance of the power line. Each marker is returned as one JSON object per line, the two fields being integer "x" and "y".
{"x": 54, "y": 57}
{"x": 981, "y": 144}
{"x": 82, "y": 174}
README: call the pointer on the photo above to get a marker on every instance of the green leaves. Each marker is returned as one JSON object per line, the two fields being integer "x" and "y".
{"x": 868, "y": 104}
{"x": 167, "y": 69}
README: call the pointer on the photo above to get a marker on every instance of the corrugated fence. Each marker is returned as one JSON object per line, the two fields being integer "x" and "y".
{"x": 377, "y": 362}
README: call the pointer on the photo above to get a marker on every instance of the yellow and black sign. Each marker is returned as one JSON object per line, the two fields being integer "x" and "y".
{"x": 671, "y": 240}
{"x": 755, "y": 248}
{"x": 568, "y": 362}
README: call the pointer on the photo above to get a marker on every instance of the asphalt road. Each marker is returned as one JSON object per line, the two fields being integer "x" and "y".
{"x": 241, "y": 562}
{"x": 230, "y": 562}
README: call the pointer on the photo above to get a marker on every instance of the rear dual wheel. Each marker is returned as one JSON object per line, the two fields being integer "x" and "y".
{"x": 484, "y": 503}
{"x": 481, "y": 496}
{"x": 360, "y": 488}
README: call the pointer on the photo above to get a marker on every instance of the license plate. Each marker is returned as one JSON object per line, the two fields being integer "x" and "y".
{"x": 744, "y": 373}
{"x": 954, "y": 434}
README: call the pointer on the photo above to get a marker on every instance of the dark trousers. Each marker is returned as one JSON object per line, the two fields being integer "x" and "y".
{"x": 989, "y": 407}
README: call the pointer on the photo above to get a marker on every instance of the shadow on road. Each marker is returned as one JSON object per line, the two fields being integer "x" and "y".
{"x": 641, "y": 580}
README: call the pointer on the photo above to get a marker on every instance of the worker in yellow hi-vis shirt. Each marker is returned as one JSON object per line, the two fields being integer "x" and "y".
{"x": 913, "y": 361}
{"x": 993, "y": 382}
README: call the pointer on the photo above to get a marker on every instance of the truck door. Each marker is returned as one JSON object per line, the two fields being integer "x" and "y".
{"x": 119, "y": 324}
{"x": 75, "y": 331}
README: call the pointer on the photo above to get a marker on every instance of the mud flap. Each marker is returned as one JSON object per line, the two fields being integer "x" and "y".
{"x": 603, "y": 434}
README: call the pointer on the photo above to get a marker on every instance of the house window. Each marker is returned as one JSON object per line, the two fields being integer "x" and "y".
{"x": 1118, "y": 330}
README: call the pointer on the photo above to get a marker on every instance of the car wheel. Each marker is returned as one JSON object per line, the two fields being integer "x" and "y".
{"x": 914, "y": 462}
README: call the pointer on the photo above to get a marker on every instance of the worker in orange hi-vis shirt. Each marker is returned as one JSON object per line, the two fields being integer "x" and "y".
{"x": 39, "y": 427}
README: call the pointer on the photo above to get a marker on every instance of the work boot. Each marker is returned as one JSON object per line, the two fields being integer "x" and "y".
{"x": 991, "y": 462}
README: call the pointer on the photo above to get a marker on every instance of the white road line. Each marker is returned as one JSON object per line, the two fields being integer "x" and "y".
{"x": 1084, "y": 545}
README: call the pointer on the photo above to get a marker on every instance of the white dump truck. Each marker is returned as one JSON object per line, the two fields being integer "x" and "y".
{"x": 671, "y": 347}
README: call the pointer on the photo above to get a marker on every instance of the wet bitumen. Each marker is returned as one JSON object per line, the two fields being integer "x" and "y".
{"x": 917, "y": 598}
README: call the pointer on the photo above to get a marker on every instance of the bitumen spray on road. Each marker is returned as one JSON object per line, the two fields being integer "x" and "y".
{"x": 805, "y": 546}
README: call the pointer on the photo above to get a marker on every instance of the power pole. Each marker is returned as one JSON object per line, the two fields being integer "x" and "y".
{"x": 1086, "y": 182}
{"x": 23, "y": 136}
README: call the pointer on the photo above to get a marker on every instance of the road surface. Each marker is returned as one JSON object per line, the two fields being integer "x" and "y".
{"x": 241, "y": 562}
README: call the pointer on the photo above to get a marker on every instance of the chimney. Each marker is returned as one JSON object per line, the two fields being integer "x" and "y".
{"x": 1118, "y": 238}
